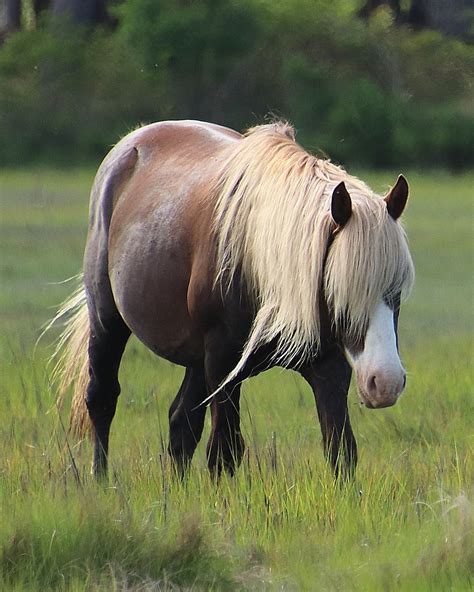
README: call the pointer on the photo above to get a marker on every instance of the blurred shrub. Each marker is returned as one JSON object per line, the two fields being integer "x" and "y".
{"x": 380, "y": 95}
{"x": 191, "y": 48}
{"x": 367, "y": 93}
{"x": 65, "y": 95}
{"x": 435, "y": 68}
{"x": 434, "y": 136}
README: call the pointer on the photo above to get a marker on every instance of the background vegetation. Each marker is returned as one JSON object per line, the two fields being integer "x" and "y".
{"x": 368, "y": 83}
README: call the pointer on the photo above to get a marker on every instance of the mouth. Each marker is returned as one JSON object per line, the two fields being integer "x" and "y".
{"x": 366, "y": 401}
{"x": 364, "y": 398}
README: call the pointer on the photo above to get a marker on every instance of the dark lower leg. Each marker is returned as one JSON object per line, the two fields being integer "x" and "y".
{"x": 105, "y": 352}
{"x": 101, "y": 413}
{"x": 186, "y": 417}
{"x": 338, "y": 440}
{"x": 330, "y": 380}
{"x": 226, "y": 445}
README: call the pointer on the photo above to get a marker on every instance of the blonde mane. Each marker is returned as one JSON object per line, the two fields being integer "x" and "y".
{"x": 273, "y": 223}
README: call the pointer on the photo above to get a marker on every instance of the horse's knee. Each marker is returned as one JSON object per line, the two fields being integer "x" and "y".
{"x": 101, "y": 397}
{"x": 176, "y": 432}
{"x": 173, "y": 408}
{"x": 185, "y": 433}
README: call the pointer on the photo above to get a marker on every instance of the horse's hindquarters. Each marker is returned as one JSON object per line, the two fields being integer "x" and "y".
{"x": 160, "y": 222}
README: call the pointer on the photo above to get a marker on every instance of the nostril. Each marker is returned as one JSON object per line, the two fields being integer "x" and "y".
{"x": 404, "y": 381}
{"x": 372, "y": 384}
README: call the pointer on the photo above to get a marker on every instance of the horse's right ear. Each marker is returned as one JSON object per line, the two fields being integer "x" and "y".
{"x": 341, "y": 205}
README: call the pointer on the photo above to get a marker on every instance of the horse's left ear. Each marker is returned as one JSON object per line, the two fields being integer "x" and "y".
{"x": 396, "y": 198}
{"x": 341, "y": 205}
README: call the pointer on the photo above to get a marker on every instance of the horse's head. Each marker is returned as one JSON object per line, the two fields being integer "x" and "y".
{"x": 367, "y": 313}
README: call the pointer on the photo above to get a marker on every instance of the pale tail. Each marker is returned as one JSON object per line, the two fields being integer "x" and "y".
{"x": 71, "y": 369}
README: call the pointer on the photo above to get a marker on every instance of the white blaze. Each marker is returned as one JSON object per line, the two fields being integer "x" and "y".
{"x": 379, "y": 371}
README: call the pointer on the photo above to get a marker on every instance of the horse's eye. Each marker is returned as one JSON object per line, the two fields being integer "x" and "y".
{"x": 392, "y": 299}
{"x": 352, "y": 338}
{"x": 355, "y": 344}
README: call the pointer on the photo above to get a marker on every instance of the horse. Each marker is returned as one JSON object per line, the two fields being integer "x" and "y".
{"x": 229, "y": 254}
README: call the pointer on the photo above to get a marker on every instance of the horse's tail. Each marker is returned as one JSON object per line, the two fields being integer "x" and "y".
{"x": 71, "y": 362}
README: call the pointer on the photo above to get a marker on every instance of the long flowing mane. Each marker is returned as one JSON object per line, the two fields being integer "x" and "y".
{"x": 273, "y": 223}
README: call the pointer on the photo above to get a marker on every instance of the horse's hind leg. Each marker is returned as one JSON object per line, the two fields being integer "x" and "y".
{"x": 186, "y": 417}
{"x": 106, "y": 346}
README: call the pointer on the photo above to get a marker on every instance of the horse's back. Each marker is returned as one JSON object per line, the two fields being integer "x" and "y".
{"x": 150, "y": 226}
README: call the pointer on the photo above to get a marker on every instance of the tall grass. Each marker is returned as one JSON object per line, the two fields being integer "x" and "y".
{"x": 406, "y": 523}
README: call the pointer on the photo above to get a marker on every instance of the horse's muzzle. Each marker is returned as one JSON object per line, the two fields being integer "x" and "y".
{"x": 381, "y": 389}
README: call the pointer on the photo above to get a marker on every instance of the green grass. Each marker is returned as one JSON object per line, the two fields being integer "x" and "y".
{"x": 406, "y": 523}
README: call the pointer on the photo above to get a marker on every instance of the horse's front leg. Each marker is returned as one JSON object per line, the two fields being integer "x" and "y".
{"x": 329, "y": 378}
{"x": 186, "y": 416}
{"x": 226, "y": 445}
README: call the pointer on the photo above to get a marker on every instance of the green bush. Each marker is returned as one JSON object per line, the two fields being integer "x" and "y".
{"x": 65, "y": 95}
{"x": 191, "y": 48}
{"x": 434, "y": 136}
{"x": 371, "y": 94}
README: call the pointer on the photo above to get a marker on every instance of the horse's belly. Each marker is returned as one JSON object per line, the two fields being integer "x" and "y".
{"x": 150, "y": 279}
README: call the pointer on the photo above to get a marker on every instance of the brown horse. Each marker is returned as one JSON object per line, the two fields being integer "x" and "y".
{"x": 229, "y": 254}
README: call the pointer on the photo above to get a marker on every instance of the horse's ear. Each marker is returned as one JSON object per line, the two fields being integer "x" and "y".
{"x": 341, "y": 205}
{"x": 396, "y": 198}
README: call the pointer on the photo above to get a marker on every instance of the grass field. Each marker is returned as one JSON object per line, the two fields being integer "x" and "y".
{"x": 407, "y": 523}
